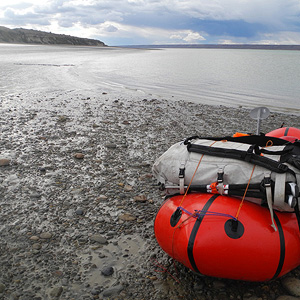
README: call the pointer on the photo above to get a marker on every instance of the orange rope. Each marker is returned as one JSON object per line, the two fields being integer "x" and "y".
{"x": 191, "y": 216}
{"x": 269, "y": 144}
{"x": 242, "y": 202}
{"x": 164, "y": 270}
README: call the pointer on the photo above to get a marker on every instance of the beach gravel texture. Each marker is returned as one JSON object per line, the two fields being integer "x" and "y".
{"x": 78, "y": 200}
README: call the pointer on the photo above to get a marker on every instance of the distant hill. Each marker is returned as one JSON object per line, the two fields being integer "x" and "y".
{"x": 29, "y": 36}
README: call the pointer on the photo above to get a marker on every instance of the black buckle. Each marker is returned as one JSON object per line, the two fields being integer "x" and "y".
{"x": 267, "y": 181}
{"x": 220, "y": 177}
{"x": 249, "y": 153}
{"x": 181, "y": 172}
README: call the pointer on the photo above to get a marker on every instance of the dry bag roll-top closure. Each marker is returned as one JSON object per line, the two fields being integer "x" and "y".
{"x": 267, "y": 168}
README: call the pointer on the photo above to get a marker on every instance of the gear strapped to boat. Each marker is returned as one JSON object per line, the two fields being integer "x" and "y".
{"x": 226, "y": 166}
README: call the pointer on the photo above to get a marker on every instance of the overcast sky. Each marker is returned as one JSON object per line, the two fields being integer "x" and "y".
{"x": 140, "y": 22}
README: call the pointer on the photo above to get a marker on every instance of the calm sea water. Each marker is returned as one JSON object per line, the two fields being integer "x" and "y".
{"x": 230, "y": 77}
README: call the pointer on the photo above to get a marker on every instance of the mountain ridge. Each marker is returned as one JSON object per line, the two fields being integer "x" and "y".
{"x": 31, "y": 36}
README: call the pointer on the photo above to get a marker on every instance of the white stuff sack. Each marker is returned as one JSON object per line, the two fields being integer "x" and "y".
{"x": 167, "y": 167}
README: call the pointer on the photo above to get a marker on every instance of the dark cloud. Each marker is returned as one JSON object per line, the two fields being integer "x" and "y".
{"x": 234, "y": 28}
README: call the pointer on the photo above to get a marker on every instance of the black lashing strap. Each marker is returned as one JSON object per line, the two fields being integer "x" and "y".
{"x": 190, "y": 247}
{"x": 297, "y": 212}
{"x": 281, "y": 245}
{"x": 247, "y": 156}
{"x": 260, "y": 140}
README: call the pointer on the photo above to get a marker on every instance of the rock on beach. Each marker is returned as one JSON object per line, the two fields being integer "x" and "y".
{"x": 45, "y": 235}
{"x": 4, "y": 162}
{"x": 292, "y": 285}
{"x": 79, "y": 155}
{"x": 98, "y": 238}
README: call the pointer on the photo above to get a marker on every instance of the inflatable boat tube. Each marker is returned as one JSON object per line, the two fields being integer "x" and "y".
{"x": 290, "y": 134}
{"x": 204, "y": 235}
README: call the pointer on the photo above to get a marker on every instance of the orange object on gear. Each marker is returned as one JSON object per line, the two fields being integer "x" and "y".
{"x": 238, "y": 134}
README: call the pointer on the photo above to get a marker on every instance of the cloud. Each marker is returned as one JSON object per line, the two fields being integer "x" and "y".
{"x": 189, "y": 37}
{"x": 193, "y": 36}
{"x": 23, "y": 17}
{"x": 151, "y": 21}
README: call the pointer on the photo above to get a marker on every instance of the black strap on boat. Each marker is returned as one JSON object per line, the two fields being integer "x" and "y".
{"x": 281, "y": 245}
{"x": 247, "y": 156}
{"x": 193, "y": 235}
{"x": 260, "y": 140}
{"x": 290, "y": 154}
{"x": 297, "y": 213}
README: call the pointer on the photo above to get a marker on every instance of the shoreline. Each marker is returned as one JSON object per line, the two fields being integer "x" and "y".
{"x": 55, "y": 68}
{"x": 79, "y": 200}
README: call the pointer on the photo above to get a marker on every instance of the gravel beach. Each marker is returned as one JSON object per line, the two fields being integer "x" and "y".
{"x": 78, "y": 200}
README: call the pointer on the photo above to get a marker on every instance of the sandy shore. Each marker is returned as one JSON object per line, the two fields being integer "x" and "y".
{"x": 78, "y": 200}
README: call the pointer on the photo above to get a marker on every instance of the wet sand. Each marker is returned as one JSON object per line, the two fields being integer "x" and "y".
{"x": 78, "y": 200}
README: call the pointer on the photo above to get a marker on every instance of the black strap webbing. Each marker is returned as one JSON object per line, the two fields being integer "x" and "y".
{"x": 297, "y": 212}
{"x": 260, "y": 140}
{"x": 248, "y": 156}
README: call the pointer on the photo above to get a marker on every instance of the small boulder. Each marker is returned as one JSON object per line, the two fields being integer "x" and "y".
{"x": 127, "y": 217}
{"x": 4, "y": 162}
{"x": 98, "y": 239}
{"x": 292, "y": 284}
{"x": 107, "y": 271}
{"x": 79, "y": 155}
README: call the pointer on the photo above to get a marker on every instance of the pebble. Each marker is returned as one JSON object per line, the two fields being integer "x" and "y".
{"x": 107, "y": 271}
{"x": 98, "y": 238}
{"x": 56, "y": 292}
{"x": 95, "y": 291}
{"x": 62, "y": 119}
{"x": 2, "y": 287}
{"x": 219, "y": 284}
{"x": 58, "y": 273}
{"x": 112, "y": 291}
{"x": 79, "y": 211}
{"x": 141, "y": 198}
{"x": 35, "y": 195}
{"x": 36, "y": 246}
{"x": 4, "y": 162}
{"x": 127, "y": 217}
{"x": 128, "y": 188}
{"x": 46, "y": 235}
{"x": 42, "y": 170}
{"x": 111, "y": 146}
{"x": 292, "y": 284}
{"x": 79, "y": 155}
{"x": 286, "y": 297}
